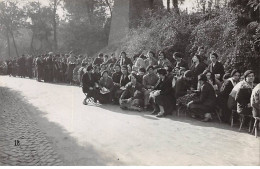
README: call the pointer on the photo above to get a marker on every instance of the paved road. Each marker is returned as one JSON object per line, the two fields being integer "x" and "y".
{"x": 106, "y": 135}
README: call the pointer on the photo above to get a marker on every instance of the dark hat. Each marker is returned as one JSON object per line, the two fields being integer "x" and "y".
{"x": 162, "y": 71}
{"x": 89, "y": 68}
{"x": 188, "y": 73}
{"x": 234, "y": 72}
{"x": 149, "y": 67}
{"x": 226, "y": 76}
{"x": 248, "y": 72}
{"x": 202, "y": 77}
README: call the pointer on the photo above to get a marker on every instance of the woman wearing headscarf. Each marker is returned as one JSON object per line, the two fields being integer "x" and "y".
{"x": 225, "y": 90}
{"x": 133, "y": 96}
{"x": 162, "y": 95}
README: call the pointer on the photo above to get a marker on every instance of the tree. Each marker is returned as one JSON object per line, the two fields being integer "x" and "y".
{"x": 11, "y": 19}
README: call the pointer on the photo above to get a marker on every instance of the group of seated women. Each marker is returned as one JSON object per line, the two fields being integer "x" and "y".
{"x": 157, "y": 84}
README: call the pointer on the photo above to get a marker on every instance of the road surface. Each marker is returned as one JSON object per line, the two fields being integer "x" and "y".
{"x": 107, "y": 135}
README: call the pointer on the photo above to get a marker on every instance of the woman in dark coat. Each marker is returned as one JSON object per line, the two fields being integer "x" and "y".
{"x": 216, "y": 67}
{"x": 196, "y": 68}
{"x": 162, "y": 95}
{"x": 106, "y": 86}
{"x": 223, "y": 95}
{"x": 133, "y": 96}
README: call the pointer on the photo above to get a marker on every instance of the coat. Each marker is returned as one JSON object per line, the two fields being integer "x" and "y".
{"x": 218, "y": 68}
{"x": 207, "y": 95}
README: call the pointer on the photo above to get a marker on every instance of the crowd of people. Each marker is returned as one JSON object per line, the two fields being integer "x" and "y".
{"x": 149, "y": 82}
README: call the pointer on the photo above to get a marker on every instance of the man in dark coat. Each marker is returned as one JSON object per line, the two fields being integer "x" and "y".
{"x": 179, "y": 61}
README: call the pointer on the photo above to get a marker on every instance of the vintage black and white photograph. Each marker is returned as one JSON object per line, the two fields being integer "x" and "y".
{"x": 129, "y": 83}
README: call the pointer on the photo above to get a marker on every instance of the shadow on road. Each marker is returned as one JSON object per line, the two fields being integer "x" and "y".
{"x": 67, "y": 147}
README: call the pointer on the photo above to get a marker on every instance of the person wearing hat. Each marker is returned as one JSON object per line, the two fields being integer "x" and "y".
{"x": 106, "y": 86}
{"x": 133, "y": 95}
{"x": 205, "y": 104}
{"x": 244, "y": 92}
{"x": 162, "y": 95}
{"x": 179, "y": 62}
{"x": 88, "y": 85}
{"x": 223, "y": 95}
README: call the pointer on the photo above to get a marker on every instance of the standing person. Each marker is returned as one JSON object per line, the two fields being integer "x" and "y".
{"x": 71, "y": 62}
{"x": 215, "y": 67}
{"x": 179, "y": 62}
{"x": 149, "y": 82}
{"x": 29, "y": 66}
{"x": 124, "y": 60}
{"x": 50, "y": 66}
{"x": 225, "y": 90}
{"x": 22, "y": 67}
{"x": 99, "y": 60}
{"x": 163, "y": 61}
{"x": 39, "y": 68}
{"x": 112, "y": 60}
{"x": 162, "y": 95}
{"x": 206, "y": 102}
{"x": 197, "y": 67}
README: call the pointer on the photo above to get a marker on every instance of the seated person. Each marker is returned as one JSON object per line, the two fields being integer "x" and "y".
{"x": 244, "y": 93}
{"x": 124, "y": 79}
{"x": 89, "y": 85}
{"x": 132, "y": 97}
{"x": 162, "y": 95}
{"x": 149, "y": 82}
{"x": 140, "y": 74}
{"x": 206, "y": 102}
{"x": 254, "y": 101}
{"x": 106, "y": 86}
{"x": 216, "y": 84}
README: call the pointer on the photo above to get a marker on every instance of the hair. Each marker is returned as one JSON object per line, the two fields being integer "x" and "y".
{"x": 162, "y": 71}
{"x": 122, "y": 53}
{"x": 226, "y": 76}
{"x": 124, "y": 66}
{"x": 161, "y": 52}
{"x": 214, "y": 54}
{"x": 177, "y": 54}
{"x": 212, "y": 76}
{"x": 142, "y": 56}
{"x": 234, "y": 72}
{"x": 135, "y": 56}
{"x": 198, "y": 56}
{"x": 100, "y": 54}
{"x": 149, "y": 67}
{"x": 115, "y": 65}
{"x": 105, "y": 71}
{"x": 142, "y": 69}
{"x": 106, "y": 56}
{"x": 152, "y": 53}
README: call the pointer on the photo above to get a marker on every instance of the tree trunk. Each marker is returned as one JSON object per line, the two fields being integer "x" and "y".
{"x": 55, "y": 25}
{"x": 11, "y": 32}
{"x": 110, "y": 9}
{"x": 176, "y": 6}
{"x": 168, "y": 5}
{"x": 8, "y": 44}
{"x": 31, "y": 46}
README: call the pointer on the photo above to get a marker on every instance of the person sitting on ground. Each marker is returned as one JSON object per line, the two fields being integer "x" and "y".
{"x": 106, "y": 86}
{"x": 215, "y": 67}
{"x": 89, "y": 85}
{"x": 149, "y": 82}
{"x": 223, "y": 95}
{"x": 132, "y": 97}
{"x": 162, "y": 96}
{"x": 163, "y": 61}
{"x": 140, "y": 62}
{"x": 179, "y": 60}
{"x": 255, "y": 101}
{"x": 140, "y": 75}
{"x": 205, "y": 104}
{"x": 124, "y": 79}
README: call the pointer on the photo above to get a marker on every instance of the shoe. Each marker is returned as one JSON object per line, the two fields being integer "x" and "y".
{"x": 155, "y": 112}
{"x": 206, "y": 119}
{"x": 160, "y": 115}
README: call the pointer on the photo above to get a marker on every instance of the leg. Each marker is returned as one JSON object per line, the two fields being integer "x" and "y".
{"x": 241, "y": 121}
